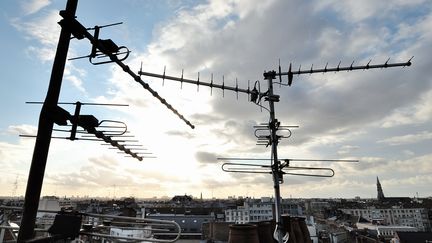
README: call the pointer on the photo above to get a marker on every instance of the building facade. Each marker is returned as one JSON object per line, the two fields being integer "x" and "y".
{"x": 255, "y": 210}
{"x": 411, "y": 217}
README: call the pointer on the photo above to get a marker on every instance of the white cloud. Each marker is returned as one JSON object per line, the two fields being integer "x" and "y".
{"x": 407, "y": 139}
{"x": 356, "y": 11}
{"x": 23, "y": 129}
{"x": 418, "y": 113}
{"x": 77, "y": 82}
{"x": 75, "y": 76}
{"x": 408, "y": 153}
{"x": 347, "y": 149}
{"x": 45, "y": 30}
{"x": 33, "y": 6}
{"x": 14, "y": 161}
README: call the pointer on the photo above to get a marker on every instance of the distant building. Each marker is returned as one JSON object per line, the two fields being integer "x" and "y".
{"x": 259, "y": 210}
{"x": 380, "y": 195}
{"x": 51, "y": 203}
{"x": 190, "y": 224}
{"x": 145, "y": 233}
{"x": 182, "y": 199}
{"x": 384, "y": 231}
{"x": 389, "y": 200}
{"x": 411, "y": 217}
{"x": 318, "y": 208}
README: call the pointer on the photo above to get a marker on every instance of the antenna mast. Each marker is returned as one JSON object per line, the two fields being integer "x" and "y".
{"x": 45, "y": 128}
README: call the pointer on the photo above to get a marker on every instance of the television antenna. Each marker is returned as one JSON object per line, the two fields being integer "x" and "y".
{"x": 89, "y": 128}
{"x": 97, "y": 57}
{"x": 277, "y": 167}
{"x": 109, "y": 52}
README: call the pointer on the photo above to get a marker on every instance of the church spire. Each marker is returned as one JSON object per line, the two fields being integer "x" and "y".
{"x": 380, "y": 196}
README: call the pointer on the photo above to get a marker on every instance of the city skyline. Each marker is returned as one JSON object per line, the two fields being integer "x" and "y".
{"x": 380, "y": 117}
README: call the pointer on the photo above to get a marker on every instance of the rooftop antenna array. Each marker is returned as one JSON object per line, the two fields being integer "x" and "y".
{"x": 103, "y": 51}
{"x": 267, "y": 134}
{"x": 89, "y": 128}
{"x": 106, "y": 51}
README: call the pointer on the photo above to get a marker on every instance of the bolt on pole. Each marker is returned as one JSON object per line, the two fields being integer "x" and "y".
{"x": 45, "y": 128}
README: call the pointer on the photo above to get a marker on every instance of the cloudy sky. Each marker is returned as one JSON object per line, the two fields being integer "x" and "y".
{"x": 381, "y": 117}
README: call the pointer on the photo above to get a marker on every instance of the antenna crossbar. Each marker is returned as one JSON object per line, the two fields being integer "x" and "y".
{"x": 197, "y": 82}
{"x": 348, "y": 68}
{"x": 338, "y": 68}
{"x": 81, "y": 103}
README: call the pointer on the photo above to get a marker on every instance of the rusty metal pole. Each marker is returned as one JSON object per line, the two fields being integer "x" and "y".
{"x": 45, "y": 128}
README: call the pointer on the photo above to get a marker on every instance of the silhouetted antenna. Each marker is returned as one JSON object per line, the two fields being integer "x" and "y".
{"x": 223, "y": 86}
{"x": 284, "y": 170}
{"x": 236, "y": 88}
{"x": 110, "y": 131}
{"x": 280, "y": 77}
{"x": 181, "y": 79}
{"x": 263, "y": 133}
{"x": 199, "y": 82}
{"x": 248, "y": 90}
{"x": 163, "y": 78}
{"x": 97, "y": 57}
{"x": 283, "y": 166}
{"x": 109, "y": 49}
{"x": 338, "y": 68}
{"x": 211, "y": 84}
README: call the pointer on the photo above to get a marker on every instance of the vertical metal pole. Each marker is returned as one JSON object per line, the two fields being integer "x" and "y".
{"x": 45, "y": 127}
{"x": 270, "y": 76}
